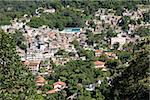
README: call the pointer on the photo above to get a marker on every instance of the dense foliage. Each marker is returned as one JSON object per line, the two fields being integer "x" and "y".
{"x": 64, "y": 18}
{"x": 143, "y": 31}
{"x": 126, "y": 79}
{"x": 132, "y": 82}
{"x": 16, "y": 81}
{"x": 19, "y": 40}
{"x": 78, "y": 74}
{"x": 73, "y": 16}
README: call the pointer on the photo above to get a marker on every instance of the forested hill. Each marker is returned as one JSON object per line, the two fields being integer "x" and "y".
{"x": 10, "y": 9}
{"x": 86, "y": 61}
{"x": 132, "y": 83}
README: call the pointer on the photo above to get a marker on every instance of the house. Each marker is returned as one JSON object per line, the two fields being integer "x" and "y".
{"x": 51, "y": 91}
{"x": 111, "y": 55}
{"x": 83, "y": 58}
{"x": 98, "y": 53}
{"x": 100, "y": 64}
{"x": 40, "y": 81}
{"x": 49, "y": 10}
{"x": 58, "y": 86}
{"x": 120, "y": 39}
{"x": 100, "y": 82}
{"x": 32, "y": 65}
{"x": 60, "y": 60}
{"x": 90, "y": 87}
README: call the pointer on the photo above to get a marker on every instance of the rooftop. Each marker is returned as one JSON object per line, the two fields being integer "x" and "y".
{"x": 51, "y": 92}
{"x": 98, "y": 51}
{"x": 97, "y": 63}
{"x": 59, "y": 83}
{"x": 71, "y": 30}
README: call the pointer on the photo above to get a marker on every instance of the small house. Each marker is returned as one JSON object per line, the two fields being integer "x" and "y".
{"x": 98, "y": 53}
{"x": 58, "y": 86}
{"x": 51, "y": 91}
{"x": 99, "y": 64}
{"x": 90, "y": 87}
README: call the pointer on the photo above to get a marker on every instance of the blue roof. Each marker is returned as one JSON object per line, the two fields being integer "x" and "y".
{"x": 71, "y": 30}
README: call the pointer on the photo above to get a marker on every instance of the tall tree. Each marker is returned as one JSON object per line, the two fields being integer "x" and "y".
{"x": 17, "y": 83}
{"x": 77, "y": 74}
{"x": 132, "y": 83}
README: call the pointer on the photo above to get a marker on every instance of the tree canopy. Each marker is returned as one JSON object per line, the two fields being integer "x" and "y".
{"x": 16, "y": 81}
{"x": 77, "y": 74}
{"x": 132, "y": 83}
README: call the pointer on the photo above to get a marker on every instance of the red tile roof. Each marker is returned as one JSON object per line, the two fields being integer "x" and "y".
{"x": 59, "y": 83}
{"x": 51, "y": 92}
{"x": 98, "y": 51}
{"x": 99, "y": 63}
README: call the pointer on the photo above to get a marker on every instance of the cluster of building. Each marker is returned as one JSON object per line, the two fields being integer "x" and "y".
{"x": 43, "y": 43}
{"x": 57, "y": 86}
{"x": 101, "y": 64}
{"x": 105, "y": 18}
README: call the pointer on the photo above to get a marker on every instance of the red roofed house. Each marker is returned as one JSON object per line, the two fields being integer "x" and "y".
{"x": 32, "y": 65}
{"x": 52, "y": 35}
{"x": 98, "y": 53}
{"x": 99, "y": 64}
{"x": 51, "y": 91}
{"x": 58, "y": 86}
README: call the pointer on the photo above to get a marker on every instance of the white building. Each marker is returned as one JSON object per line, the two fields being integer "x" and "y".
{"x": 121, "y": 40}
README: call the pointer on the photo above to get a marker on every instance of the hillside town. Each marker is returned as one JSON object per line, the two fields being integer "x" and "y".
{"x": 45, "y": 46}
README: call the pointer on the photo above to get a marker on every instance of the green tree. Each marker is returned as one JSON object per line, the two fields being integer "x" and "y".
{"x": 19, "y": 39}
{"x": 146, "y": 17}
{"x": 77, "y": 74}
{"x": 132, "y": 83}
{"x": 124, "y": 56}
{"x": 90, "y": 36}
{"x": 142, "y": 31}
{"x": 112, "y": 63}
{"x": 89, "y": 55}
{"x": 36, "y": 22}
{"x": 116, "y": 46}
{"x": 110, "y": 33}
{"x": 119, "y": 11}
{"x": 75, "y": 43}
{"x": 16, "y": 81}
{"x": 61, "y": 52}
{"x": 125, "y": 20}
